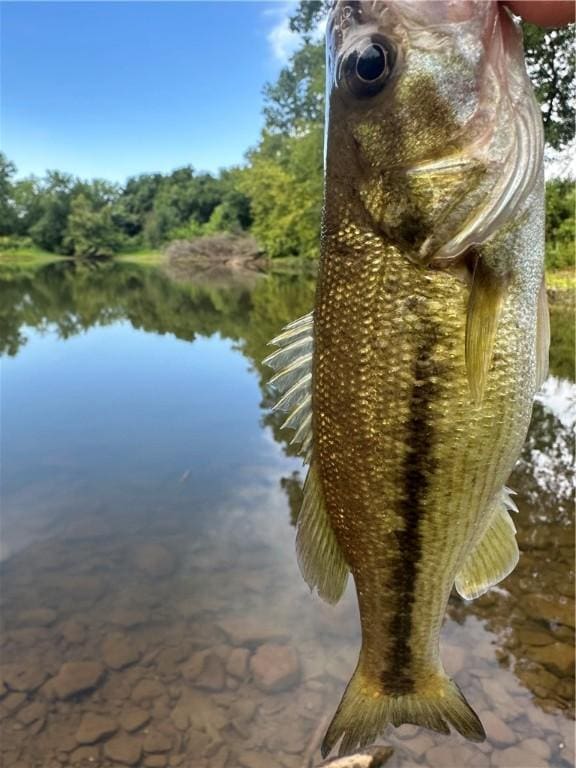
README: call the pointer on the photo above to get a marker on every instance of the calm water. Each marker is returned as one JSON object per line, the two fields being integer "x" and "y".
{"x": 148, "y": 503}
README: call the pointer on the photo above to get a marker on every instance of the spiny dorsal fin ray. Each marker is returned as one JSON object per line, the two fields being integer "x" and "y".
{"x": 484, "y": 309}
{"x": 494, "y": 557}
{"x": 293, "y": 379}
{"x": 542, "y": 336}
{"x": 319, "y": 556}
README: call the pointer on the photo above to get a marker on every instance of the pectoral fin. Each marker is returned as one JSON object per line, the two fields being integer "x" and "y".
{"x": 484, "y": 309}
{"x": 493, "y": 558}
{"x": 542, "y": 336}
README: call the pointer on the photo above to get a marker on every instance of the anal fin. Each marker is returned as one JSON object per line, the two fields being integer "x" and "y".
{"x": 493, "y": 558}
{"x": 319, "y": 555}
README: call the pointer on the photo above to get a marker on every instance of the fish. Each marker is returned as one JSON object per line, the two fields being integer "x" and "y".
{"x": 410, "y": 384}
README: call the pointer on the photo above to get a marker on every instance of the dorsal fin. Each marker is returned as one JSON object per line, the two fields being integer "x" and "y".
{"x": 319, "y": 556}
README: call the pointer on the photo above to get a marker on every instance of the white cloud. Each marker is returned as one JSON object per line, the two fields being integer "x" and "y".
{"x": 282, "y": 40}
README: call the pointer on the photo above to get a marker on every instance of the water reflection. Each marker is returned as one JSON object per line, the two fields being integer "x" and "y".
{"x": 151, "y": 605}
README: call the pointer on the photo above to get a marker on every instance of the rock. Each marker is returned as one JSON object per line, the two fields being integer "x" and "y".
{"x": 551, "y": 608}
{"x": 420, "y": 744}
{"x": 496, "y": 729}
{"x": 155, "y": 761}
{"x": 250, "y": 632}
{"x": 537, "y": 746}
{"x": 123, "y": 749}
{"x": 220, "y": 758}
{"x": 453, "y": 658}
{"x": 243, "y": 710}
{"x": 516, "y": 757}
{"x": 559, "y": 657}
{"x": 95, "y": 727}
{"x": 154, "y": 559}
{"x": 251, "y": 759}
{"x": 407, "y": 731}
{"x": 23, "y": 677}
{"x": 275, "y": 668}
{"x": 35, "y": 711}
{"x": 84, "y": 755}
{"x": 12, "y": 703}
{"x": 147, "y": 690}
{"x": 73, "y": 632}
{"x": 118, "y": 652}
{"x": 133, "y": 719}
{"x": 180, "y": 718}
{"x": 168, "y": 659}
{"x": 128, "y": 617}
{"x": 77, "y": 676}
{"x": 213, "y": 676}
{"x": 37, "y": 617}
{"x": 156, "y": 741}
{"x": 237, "y": 663}
{"x": 533, "y": 637}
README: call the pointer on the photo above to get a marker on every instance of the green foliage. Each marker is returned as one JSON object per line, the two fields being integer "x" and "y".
{"x": 550, "y": 58}
{"x": 90, "y": 229}
{"x": 560, "y": 224}
{"x": 284, "y": 184}
{"x": 65, "y": 215}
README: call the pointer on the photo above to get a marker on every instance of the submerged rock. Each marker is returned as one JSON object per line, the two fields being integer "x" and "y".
{"x": 77, "y": 676}
{"x": 123, "y": 749}
{"x": 95, "y": 727}
{"x": 275, "y": 668}
{"x": 250, "y": 632}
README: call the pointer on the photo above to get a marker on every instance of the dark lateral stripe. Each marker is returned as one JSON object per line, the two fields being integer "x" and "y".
{"x": 397, "y": 678}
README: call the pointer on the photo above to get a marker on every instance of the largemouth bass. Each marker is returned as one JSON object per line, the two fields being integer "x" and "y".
{"x": 411, "y": 384}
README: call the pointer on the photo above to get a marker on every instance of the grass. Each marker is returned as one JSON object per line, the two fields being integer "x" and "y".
{"x": 27, "y": 257}
{"x": 561, "y": 279}
{"x": 144, "y": 258}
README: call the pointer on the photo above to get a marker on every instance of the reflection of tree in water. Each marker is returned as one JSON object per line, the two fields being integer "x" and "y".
{"x": 532, "y": 611}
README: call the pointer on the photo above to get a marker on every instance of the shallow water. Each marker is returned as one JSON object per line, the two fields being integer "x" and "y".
{"x": 148, "y": 502}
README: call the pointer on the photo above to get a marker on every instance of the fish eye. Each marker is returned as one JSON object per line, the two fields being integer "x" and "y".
{"x": 368, "y": 67}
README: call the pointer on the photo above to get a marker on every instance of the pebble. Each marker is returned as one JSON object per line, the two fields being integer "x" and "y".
{"x": 37, "y": 617}
{"x": 237, "y": 663}
{"x": 133, "y": 719}
{"x": 252, "y": 759}
{"x": 538, "y": 746}
{"x": 83, "y": 755}
{"x": 516, "y": 757}
{"x": 23, "y": 677}
{"x": 123, "y": 749}
{"x": 118, "y": 651}
{"x": 496, "y": 729}
{"x": 77, "y": 676}
{"x": 155, "y": 761}
{"x": 213, "y": 675}
{"x": 155, "y": 741}
{"x": 95, "y": 727}
{"x": 275, "y": 668}
{"x": 34, "y": 711}
{"x": 559, "y": 657}
{"x": 73, "y": 632}
{"x": 249, "y": 632}
{"x": 154, "y": 559}
{"x": 179, "y": 717}
{"x": 147, "y": 690}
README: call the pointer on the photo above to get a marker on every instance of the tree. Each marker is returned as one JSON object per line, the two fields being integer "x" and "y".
{"x": 90, "y": 229}
{"x": 7, "y": 214}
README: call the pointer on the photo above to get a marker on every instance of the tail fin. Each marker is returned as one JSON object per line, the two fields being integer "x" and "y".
{"x": 365, "y": 711}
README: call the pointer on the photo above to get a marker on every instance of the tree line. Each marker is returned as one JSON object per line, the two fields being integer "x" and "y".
{"x": 277, "y": 193}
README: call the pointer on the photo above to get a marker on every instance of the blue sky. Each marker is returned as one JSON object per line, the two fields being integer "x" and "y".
{"x": 112, "y": 89}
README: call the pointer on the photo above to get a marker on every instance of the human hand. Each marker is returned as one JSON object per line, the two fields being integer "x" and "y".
{"x": 546, "y": 13}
